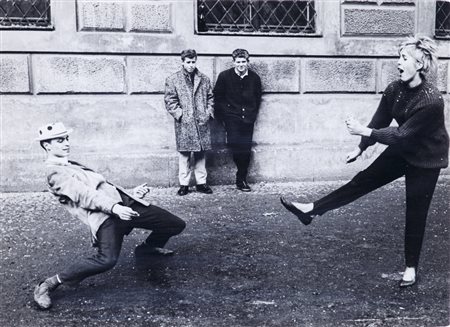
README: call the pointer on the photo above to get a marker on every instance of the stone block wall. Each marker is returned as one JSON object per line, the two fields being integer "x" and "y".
{"x": 379, "y": 18}
{"x": 339, "y": 75}
{"x": 101, "y": 16}
{"x": 103, "y": 68}
{"x": 124, "y": 16}
{"x": 14, "y": 76}
{"x": 78, "y": 74}
{"x": 147, "y": 74}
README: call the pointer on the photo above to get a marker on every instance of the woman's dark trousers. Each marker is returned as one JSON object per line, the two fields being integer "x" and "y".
{"x": 420, "y": 184}
{"x": 110, "y": 236}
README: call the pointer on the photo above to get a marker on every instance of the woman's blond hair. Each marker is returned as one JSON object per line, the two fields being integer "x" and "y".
{"x": 424, "y": 51}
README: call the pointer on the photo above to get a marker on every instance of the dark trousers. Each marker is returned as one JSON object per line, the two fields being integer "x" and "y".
{"x": 239, "y": 140}
{"x": 420, "y": 184}
{"x": 110, "y": 237}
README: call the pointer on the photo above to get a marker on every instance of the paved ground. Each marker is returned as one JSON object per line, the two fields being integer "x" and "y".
{"x": 242, "y": 261}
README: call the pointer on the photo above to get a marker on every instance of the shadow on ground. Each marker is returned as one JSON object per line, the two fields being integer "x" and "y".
{"x": 242, "y": 261}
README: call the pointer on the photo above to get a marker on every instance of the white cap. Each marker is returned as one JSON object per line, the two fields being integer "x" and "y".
{"x": 53, "y": 131}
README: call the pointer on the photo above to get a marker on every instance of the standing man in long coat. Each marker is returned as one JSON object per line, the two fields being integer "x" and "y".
{"x": 189, "y": 99}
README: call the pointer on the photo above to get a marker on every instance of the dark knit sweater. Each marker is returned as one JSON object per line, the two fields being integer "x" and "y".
{"x": 237, "y": 97}
{"x": 421, "y": 137}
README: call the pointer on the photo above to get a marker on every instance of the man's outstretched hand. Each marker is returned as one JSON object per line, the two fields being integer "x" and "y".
{"x": 141, "y": 190}
{"x": 124, "y": 213}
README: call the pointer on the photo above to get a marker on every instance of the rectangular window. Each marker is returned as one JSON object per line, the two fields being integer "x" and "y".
{"x": 24, "y": 14}
{"x": 442, "y": 19}
{"x": 265, "y": 17}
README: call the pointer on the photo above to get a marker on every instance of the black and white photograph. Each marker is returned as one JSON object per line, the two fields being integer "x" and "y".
{"x": 225, "y": 163}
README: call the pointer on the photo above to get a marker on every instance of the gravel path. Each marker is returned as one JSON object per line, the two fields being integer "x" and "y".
{"x": 242, "y": 261}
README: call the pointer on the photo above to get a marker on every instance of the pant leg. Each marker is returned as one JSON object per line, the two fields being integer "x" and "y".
{"x": 184, "y": 168}
{"x": 200, "y": 172}
{"x": 386, "y": 168}
{"x": 110, "y": 238}
{"x": 420, "y": 185}
{"x": 231, "y": 128}
{"x": 245, "y": 150}
{"x": 162, "y": 223}
{"x": 239, "y": 140}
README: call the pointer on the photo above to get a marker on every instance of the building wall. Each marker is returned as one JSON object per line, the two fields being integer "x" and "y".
{"x": 101, "y": 71}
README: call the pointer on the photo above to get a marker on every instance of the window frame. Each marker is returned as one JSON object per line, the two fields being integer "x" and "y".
{"x": 18, "y": 27}
{"x": 435, "y": 30}
{"x": 318, "y": 7}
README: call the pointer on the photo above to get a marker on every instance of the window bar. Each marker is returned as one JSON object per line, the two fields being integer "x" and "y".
{"x": 256, "y": 16}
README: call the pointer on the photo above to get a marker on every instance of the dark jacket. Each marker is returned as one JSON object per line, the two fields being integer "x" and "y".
{"x": 237, "y": 98}
{"x": 192, "y": 107}
{"x": 420, "y": 137}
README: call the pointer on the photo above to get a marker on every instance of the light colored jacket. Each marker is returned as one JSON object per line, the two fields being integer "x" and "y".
{"x": 86, "y": 194}
{"x": 192, "y": 107}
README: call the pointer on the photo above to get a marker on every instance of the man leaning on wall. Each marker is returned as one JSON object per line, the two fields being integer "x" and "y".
{"x": 237, "y": 98}
{"x": 189, "y": 99}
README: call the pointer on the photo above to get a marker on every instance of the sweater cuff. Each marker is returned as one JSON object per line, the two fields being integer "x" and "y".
{"x": 364, "y": 144}
{"x": 378, "y": 135}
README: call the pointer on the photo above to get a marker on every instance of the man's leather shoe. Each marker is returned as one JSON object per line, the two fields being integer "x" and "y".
{"x": 145, "y": 249}
{"x": 303, "y": 217}
{"x": 183, "y": 190}
{"x": 407, "y": 283}
{"x": 203, "y": 188}
{"x": 42, "y": 296}
{"x": 243, "y": 186}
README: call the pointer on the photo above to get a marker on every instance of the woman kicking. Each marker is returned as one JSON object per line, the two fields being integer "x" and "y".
{"x": 417, "y": 148}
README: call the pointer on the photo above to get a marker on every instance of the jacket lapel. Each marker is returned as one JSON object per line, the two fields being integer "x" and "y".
{"x": 121, "y": 189}
{"x": 79, "y": 165}
{"x": 197, "y": 80}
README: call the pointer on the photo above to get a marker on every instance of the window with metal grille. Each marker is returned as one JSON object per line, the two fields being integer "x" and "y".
{"x": 443, "y": 19}
{"x": 19, "y": 14}
{"x": 256, "y": 17}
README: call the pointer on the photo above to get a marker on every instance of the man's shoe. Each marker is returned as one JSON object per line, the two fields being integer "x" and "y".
{"x": 303, "y": 217}
{"x": 203, "y": 188}
{"x": 243, "y": 186}
{"x": 145, "y": 250}
{"x": 183, "y": 190}
{"x": 42, "y": 296}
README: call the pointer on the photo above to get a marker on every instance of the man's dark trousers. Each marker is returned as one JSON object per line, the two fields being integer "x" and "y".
{"x": 110, "y": 237}
{"x": 239, "y": 140}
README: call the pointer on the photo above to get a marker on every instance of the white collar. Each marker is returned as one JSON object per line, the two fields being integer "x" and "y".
{"x": 57, "y": 161}
{"x": 241, "y": 76}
